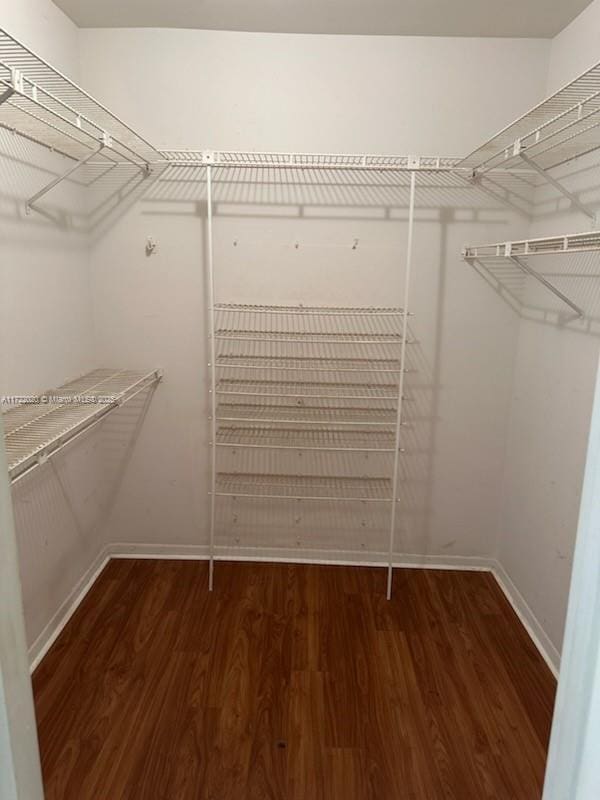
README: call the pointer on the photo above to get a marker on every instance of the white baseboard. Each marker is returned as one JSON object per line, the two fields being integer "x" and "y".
{"x": 530, "y": 622}
{"x": 300, "y": 556}
{"x": 48, "y": 636}
{"x": 200, "y": 553}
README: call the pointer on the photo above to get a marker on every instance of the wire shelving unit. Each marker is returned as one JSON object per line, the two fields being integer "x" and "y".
{"x": 308, "y": 378}
{"x": 518, "y": 253}
{"x": 40, "y": 104}
{"x": 38, "y": 427}
{"x": 561, "y": 128}
{"x": 558, "y": 130}
{"x": 548, "y": 245}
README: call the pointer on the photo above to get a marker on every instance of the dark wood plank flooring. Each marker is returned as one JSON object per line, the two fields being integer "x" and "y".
{"x": 292, "y": 683}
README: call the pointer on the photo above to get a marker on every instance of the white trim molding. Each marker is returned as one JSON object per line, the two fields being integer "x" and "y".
{"x": 528, "y": 619}
{"x": 53, "y": 628}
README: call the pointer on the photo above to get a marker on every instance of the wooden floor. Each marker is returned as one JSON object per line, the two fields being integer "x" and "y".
{"x": 292, "y": 683}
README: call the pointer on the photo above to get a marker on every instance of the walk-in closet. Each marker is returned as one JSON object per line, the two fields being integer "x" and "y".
{"x": 299, "y": 341}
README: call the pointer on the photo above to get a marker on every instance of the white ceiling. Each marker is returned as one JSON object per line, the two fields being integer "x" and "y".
{"x": 538, "y": 18}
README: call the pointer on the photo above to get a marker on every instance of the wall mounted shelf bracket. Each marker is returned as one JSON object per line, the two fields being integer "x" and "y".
{"x": 524, "y": 267}
{"x": 520, "y": 151}
{"x": 29, "y": 205}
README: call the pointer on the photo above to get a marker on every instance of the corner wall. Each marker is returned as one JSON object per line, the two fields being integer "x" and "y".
{"x": 47, "y": 337}
{"x": 552, "y": 393}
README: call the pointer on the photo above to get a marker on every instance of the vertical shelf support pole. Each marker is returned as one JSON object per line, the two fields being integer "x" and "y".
{"x": 212, "y": 367}
{"x": 409, "y": 249}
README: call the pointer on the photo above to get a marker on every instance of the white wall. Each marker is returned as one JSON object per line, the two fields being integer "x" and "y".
{"x": 47, "y": 337}
{"x": 576, "y": 48}
{"x": 202, "y": 89}
{"x": 199, "y": 89}
{"x": 553, "y": 383}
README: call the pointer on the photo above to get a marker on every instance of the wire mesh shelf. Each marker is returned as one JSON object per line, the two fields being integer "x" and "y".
{"x": 309, "y": 389}
{"x": 311, "y": 325}
{"x": 336, "y": 311}
{"x": 334, "y": 337}
{"x": 42, "y": 105}
{"x": 303, "y": 487}
{"x": 305, "y": 438}
{"x": 247, "y": 361}
{"x": 333, "y": 161}
{"x": 307, "y": 414}
{"x": 550, "y": 245}
{"x": 561, "y": 128}
{"x": 38, "y": 427}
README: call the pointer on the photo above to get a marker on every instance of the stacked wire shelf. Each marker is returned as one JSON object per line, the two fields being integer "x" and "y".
{"x": 318, "y": 381}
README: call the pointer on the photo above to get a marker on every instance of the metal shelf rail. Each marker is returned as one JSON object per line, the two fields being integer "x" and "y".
{"x": 563, "y": 127}
{"x": 39, "y": 427}
{"x": 518, "y": 252}
{"x": 40, "y": 104}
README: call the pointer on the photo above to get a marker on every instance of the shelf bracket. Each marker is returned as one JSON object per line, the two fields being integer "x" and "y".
{"x": 540, "y": 278}
{"x": 558, "y": 186}
{"x": 6, "y": 95}
{"x": 29, "y": 205}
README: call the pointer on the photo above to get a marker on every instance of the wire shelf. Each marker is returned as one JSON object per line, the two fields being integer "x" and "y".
{"x": 303, "y": 487}
{"x": 35, "y": 430}
{"x": 561, "y": 128}
{"x": 305, "y": 414}
{"x": 333, "y": 161}
{"x": 308, "y": 363}
{"x": 313, "y": 325}
{"x": 550, "y": 245}
{"x": 42, "y": 105}
{"x": 336, "y": 311}
{"x": 306, "y": 336}
{"x": 299, "y": 438}
{"x": 309, "y": 389}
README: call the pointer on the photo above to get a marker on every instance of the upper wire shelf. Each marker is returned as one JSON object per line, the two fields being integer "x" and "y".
{"x": 561, "y": 128}
{"x": 39, "y": 103}
{"x": 549, "y": 245}
{"x": 355, "y": 161}
{"x": 518, "y": 253}
{"x": 38, "y": 427}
